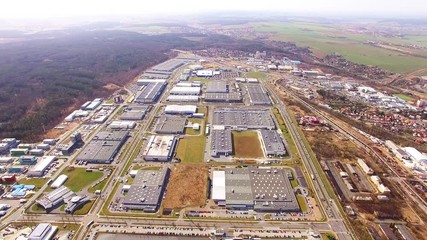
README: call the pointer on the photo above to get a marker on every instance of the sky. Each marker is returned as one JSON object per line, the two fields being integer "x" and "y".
{"x": 49, "y": 9}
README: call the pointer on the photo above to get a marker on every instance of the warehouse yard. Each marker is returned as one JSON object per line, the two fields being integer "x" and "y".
{"x": 247, "y": 145}
{"x": 187, "y": 186}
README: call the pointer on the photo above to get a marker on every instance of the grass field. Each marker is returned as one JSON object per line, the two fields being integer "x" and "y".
{"x": 190, "y": 131}
{"x": 203, "y": 80}
{"x": 38, "y": 182}
{"x": 187, "y": 186}
{"x": 85, "y": 208}
{"x": 330, "y": 38}
{"x": 256, "y": 75}
{"x": 191, "y": 149}
{"x": 79, "y": 178}
{"x": 247, "y": 144}
{"x": 404, "y": 97}
{"x": 302, "y": 203}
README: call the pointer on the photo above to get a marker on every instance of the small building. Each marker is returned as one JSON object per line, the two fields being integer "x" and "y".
{"x": 43, "y": 146}
{"x": 27, "y": 160}
{"x": 160, "y": 148}
{"x": 6, "y": 160}
{"x": 43, "y": 231}
{"x": 59, "y": 181}
{"x": 204, "y": 73}
{"x": 16, "y": 152}
{"x": 37, "y": 152}
{"x": 366, "y": 169}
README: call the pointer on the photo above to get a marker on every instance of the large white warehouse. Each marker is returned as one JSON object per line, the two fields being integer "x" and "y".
{"x": 180, "y": 109}
{"x": 415, "y": 155}
{"x": 59, "y": 181}
{"x": 185, "y": 91}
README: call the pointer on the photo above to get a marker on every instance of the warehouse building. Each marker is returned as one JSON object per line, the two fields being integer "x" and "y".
{"x": 189, "y": 84}
{"x": 185, "y": 91}
{"x": 258, "y": 95}
{"x": 150, "y": 91}
{"x": 243, "y": 118}
{"x": 40, "y": 168}
{"x": 182, "y": 98}
{"x": 171, "y": 125}
{"x": 27, "y": 160}
{"x": 155, "y": 75}
{"x": 76, "y": 202}
{"x": 122, "y": 124}
{"x": 160, "y": 148}
{"x": 135, "y": 112}
{"x": 171, "y": 64}
{"x": 415, "y": 155}
{"x": 234, "y": 97}
{"x": 221, "y": 143}
{"x": 103, "y": 147}
{"x": 59, "y": 181}
{"x": 217, "y": 87}
{"x": 55, "y": 198}
{"x": 180, "y": 109}
{"x": 204, "y": 73}
{"x": 260, "y": 189}
{"x": 272, "y": 143}
{"x": 43, "y": 231}
{"x": 147, "y": 190}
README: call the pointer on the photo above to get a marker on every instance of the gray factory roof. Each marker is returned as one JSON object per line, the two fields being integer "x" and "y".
{"x": 103, "y": 146}
{"x": 216, "y": 87}
{"x": 243, "y": 118}
{"x": 221, "y": 142}
{"x": 223, "y": 97}
{"x": 133, "y": 115}
{"x": 257, "y": 94}
{"x": 146, "y": 189}
{"x": 268, "y": 189}
{"x": 272, "y": 142}
{"x": 150, "y": 92}
{"x": 171, "y": 124}
{"x": 170, "y": 65}
{"x": 153, "y": 74}
{"x": 56, "y": 197}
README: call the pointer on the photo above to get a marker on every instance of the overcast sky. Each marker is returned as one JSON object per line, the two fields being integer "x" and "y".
{"x": 43, "y": 9}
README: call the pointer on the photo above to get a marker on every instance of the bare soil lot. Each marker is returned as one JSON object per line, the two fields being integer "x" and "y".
{"x": 247, "y": 145}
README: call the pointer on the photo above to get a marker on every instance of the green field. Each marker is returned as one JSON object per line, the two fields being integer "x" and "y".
{"x": 38, "y": 182}
{"x": 255, "y": 75}
{"x": 404, "y": 97}
{"x": 302, "y": 203}
{"x": 191, "y": 149}
{"x": 329, "y": 38}
{"x": 79, "y": 178}
{"x": 203, "y": 80}
{"x": 85, "y": 209}
{"x": 190, "y": 131}
{"x": 246, "y": 144}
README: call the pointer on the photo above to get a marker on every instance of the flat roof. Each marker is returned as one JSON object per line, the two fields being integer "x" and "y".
{"x": 160, "y": 146}
{"x": 181, "y": 108}
{"x": 150, "y": 92}
{"x": 243, "y": 118}
{"x": 221, "y": 142}
{"x": 272, "y": 142}
{"x": 171, "y": 124}
{"x": 185, "y": 90}
{"x": 257, "y": 94}
{"x": 183, "y": 98}
{"x": 217, "y": 87}
{"x": 223, "y": 97}
{"x": 218, "y": 185}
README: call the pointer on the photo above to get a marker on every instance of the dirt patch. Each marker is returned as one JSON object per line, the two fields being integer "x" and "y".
{"x": 247, "y": 144}
{"x": 111, "y": 86}
{"x": 187, "y": 186}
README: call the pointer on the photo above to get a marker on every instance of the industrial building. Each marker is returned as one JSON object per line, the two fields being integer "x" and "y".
{"x": 135, "y": 112}
{"x": 103, "y": 147}
{"x": 204, "y": 73}
{"x": 185, "y": 91}
{"x": 59, "y": 181}
{"x": 6, "y": 160}
{"x": 258, "y": 95}
{"x": 260, "y": 189}
{"x": 7, "y": 143}
{"x": 366, "y": 169}
{"x": 182, "y": 98}
{"x": 76, "y": 202}
{"x": 147, "y": 190}
{"x": 171, "y": 125}
{"x": 160, "y": 148}
{"x": 171, "y": 64}
{"x": 27, "y": 160}
{"x": 223, "y": 97}
{"x": 55, "y": 198}
{"x": 221, "y": 143}
{"x": 43, "y": 231}
{"x": 155, "y": 75}
{"x": 124, "y": 124}
{"x": 243, "y": 118}
{"x": 180, "y": 109}
{"x": 217, "y": 87}
{"x": 39, "y": 169}
{"x": 16, "y": 152}
{"x": 415, "y": 155}
{"x": 272, "y": 143}
{"x": 150, "y": 91}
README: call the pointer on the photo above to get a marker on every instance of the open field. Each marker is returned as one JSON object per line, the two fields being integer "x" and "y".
{"x": 247, "y": 144}
{"x": 403, "y": 96}
{"x": 190, "y": 131}
{"x": 85, "y": 208}
{"x": 79, "y": 178}
{"x": 187, "y": 186}
{"x": 191, "y": 149}
{"x": 38, "y": 182}
{"x": 256, "y": 75}
{"x": 200, "y": 79}
{"x": 302, "y": 203}
{"x": 329, "y": 38}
